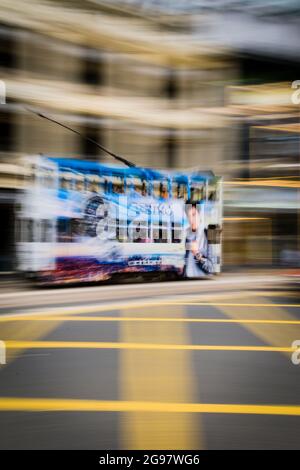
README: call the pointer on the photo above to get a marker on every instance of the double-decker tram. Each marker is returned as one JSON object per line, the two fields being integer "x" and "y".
{"x": 84, "y": 221}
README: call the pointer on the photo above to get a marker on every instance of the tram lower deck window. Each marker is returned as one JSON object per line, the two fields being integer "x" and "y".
{"x": 26, "y": 230}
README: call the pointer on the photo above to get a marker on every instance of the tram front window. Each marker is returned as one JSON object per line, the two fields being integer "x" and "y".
{"x": 197, "y": 192}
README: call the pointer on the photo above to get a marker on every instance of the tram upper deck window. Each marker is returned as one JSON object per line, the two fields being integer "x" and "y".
{"x": 197, "y": 192}
{"x": 65, "y": 181}
{"x": 138, "y": 185}
{"x": 144, "y": 188}
{"x": 118, "y": 185}
{"x": 155, "y": 188}
{"x": 163, "y": 190}
{"x": 79, "y": 183}
{"x": 212, "y": 193}
{"x": 92, "y": 183}
{"x": 104, "y": 184}
{"x": 46, "y": 178}
{"x": 129, "y": 185}
{"x": 141, "y": 187}
{"x": 179, "y": 190}
{"x": 160, "y": 189}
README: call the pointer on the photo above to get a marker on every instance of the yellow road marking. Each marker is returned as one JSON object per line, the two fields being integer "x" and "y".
{"x": 159, "y": 375}
{"x": 266, "y": 331}
{"x": 59, "y": 404}
{"x": 138, "y": 346}
{"x": 152, "y": 319}
{"x": 94, "y": 309}
{"x": 25, "y": 332}
{"x": 136, "y": 305}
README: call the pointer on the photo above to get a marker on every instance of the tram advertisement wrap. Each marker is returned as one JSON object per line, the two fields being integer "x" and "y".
{"x": 81, "y": 221}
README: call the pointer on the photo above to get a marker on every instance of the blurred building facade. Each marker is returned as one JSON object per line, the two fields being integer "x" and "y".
{"x": 158, "y": 87}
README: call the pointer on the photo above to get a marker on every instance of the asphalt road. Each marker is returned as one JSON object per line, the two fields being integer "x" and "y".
{"x": 190, "y": 365}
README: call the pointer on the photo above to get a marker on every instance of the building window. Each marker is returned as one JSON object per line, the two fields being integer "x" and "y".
{"x": 6, "y": 131}
{"x": 91, "y": 72}
{"x": 8, "y": 56}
